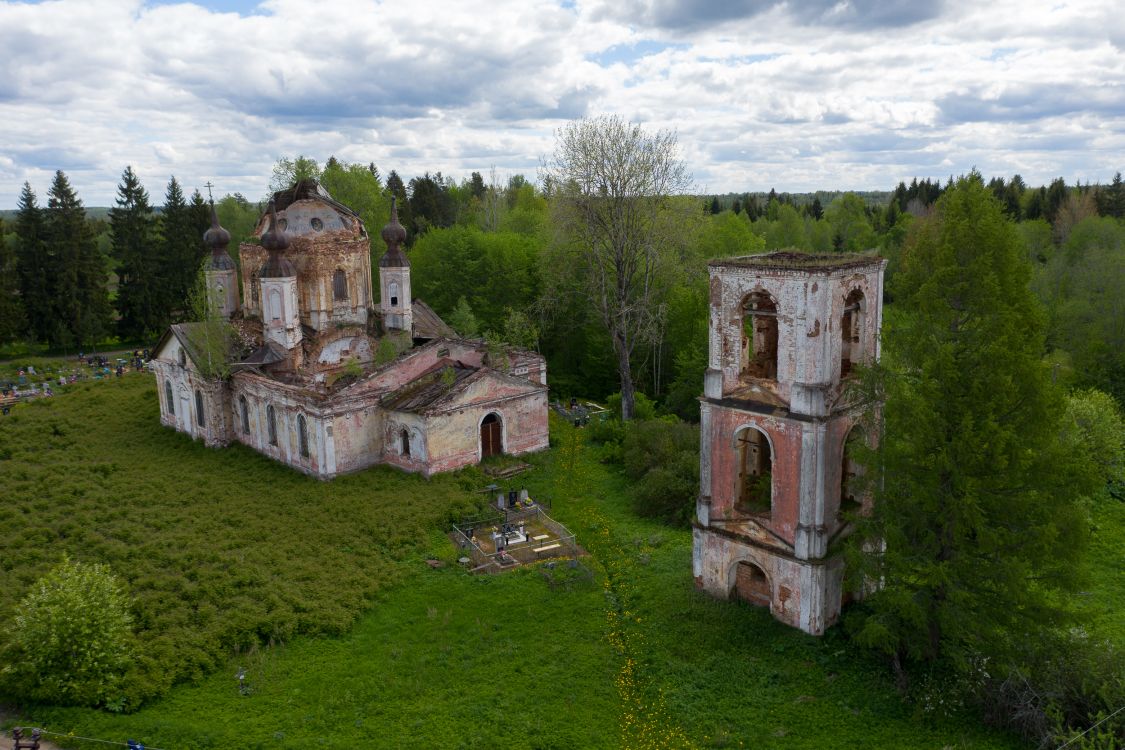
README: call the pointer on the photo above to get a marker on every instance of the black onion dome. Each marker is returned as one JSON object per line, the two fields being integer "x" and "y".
{"x": 274, "y": 239}
{"x": 394, "y": 234}
{"x": 216, "y": 238}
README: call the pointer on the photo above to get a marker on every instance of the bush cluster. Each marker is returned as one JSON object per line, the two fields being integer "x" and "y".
{"x": 221, "y": 550}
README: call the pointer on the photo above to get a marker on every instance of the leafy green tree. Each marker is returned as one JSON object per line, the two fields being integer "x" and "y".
{"x": 80, "y": 299}
{"x": 787, "y": 231}
{"x": 726, "y": 235}
{"x": 528, "y": 214}
{"x": 462, "y": 319}
{"x": 619, "y": 228}
{"x": 852, "y": 229}
{"x": 34, "y": 267}
{"x": 238, "y": 216}
{"x": 1099, "y": 430}
{"x": 1084, "y": 290}
{"x": 140, "y": 307}
{"x": 71, "y": 639}
{"x": 976, "y": 526}
{"x": 359, "y": 189}
{"x": 288, "y": 172}
{"x": 12, "y": 321}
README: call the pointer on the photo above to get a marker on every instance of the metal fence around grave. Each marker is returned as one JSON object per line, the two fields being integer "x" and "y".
{"x": 560, "y": 542}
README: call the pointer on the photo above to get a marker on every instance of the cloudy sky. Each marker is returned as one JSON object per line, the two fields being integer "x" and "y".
{"x": 815, "y": 94}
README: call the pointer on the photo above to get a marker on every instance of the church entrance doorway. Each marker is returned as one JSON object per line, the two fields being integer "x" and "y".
{"x": 490, "y": 437}
{"x": 751, "y": 585}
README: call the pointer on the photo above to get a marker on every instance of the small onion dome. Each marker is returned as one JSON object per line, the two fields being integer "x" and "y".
{"x": 217, "y": 239}
{"x": 394, "y": 235}
{"x": 275, "y": 237}
{"x": 277, "y": 266}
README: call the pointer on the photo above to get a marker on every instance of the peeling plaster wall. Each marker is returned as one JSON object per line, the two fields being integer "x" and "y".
{"x": 186, "y": 380}
{"x": 810, "y": 309}
{"x": 316, "y": 262}
{"x": 806, "y": 422}
{"x": 804, "y": 595}
{"x": 453, "y": 438}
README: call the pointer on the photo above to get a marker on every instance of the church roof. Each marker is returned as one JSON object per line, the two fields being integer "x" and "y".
{"x": 427, "y": 323}
{"x": 267, "y": 354}
{"x": 308, "y": 190}
{"x": 186, "y": 334}
{"x": 444, "y": 378}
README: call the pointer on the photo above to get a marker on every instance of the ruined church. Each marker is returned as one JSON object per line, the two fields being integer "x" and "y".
{"x": 779, "y": 429}
{"x": 325, "y": 376}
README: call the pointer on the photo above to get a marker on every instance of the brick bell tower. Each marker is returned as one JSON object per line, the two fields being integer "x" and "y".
{"x": 786, "y": 330}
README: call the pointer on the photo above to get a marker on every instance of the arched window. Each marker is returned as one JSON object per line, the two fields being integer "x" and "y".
{"x": 275, "y": 304}
{"x": 271, "y": 424}
{"x": 392, "y": 291}
{"x": 340, "y": 285}
{"x": 199, "y": 408}
{"x": 169, "y": 402}
{"x": 303, "y": 435}
{"x": 245, "y": 414}
{"x": 755, "y": 472}
{"x": 759, "y": 336}
{"x": 851, "y": 332}
{"x": 183, "y": 357}
{"x": 404, "y": 439}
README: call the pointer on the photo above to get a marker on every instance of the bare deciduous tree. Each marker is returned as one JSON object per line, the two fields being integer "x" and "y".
{"x": 610, "y": 184}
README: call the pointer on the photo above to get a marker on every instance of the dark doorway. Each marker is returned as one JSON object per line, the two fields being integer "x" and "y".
{"x": 490, "y": 437}
{"x": 751, "y": 585}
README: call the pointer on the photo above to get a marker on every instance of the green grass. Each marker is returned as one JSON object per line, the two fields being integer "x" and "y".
{"x": 226, "y": 551}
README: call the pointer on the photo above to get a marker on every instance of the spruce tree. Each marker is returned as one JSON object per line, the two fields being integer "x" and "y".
{"x": 80, "y": 299}
{"x": 140, "y": 302}
{"x": 12, "y": 321}
{"x": 33, "y": 267}
{"x": 181, "y": 242}
{"x": 976, "y": 526}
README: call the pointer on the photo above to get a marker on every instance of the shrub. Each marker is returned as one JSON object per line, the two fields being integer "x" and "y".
{"x": 71, "y": 640}
{"x": 662, "y": 456}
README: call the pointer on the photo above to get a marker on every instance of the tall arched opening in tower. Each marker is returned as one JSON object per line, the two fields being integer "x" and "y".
{"x": 759, "y": 336}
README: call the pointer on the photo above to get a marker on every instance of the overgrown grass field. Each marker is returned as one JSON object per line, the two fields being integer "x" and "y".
{"x": 321, "y": 592}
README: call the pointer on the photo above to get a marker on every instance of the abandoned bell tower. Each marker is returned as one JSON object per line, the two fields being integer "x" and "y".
{"x": 786, "y": 330}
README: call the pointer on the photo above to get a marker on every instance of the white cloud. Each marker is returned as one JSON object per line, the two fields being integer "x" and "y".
{"x": 854, "y": 94}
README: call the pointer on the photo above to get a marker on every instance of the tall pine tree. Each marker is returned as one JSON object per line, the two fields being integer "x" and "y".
{"x": 12, "y": 321}
{"x": 133, "y": 232}
{"x": 33, "y": 267}
{"x": 81, "y": 302}
{"x": 976, "y": 528}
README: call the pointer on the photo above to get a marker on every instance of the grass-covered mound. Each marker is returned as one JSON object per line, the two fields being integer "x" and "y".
{"x": 221, "y": 549}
